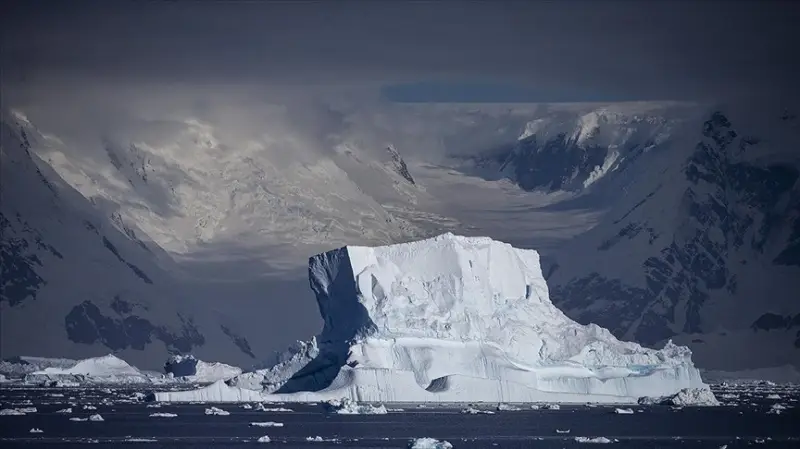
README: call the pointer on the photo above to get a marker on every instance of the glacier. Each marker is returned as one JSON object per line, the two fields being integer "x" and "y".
{"x": 451, "y": 319}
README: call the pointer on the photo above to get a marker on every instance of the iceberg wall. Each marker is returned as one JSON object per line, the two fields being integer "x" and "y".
{"x": 452, "y": 319}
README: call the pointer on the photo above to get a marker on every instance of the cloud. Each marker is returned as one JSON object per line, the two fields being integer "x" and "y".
{"x": 566, "y": 50}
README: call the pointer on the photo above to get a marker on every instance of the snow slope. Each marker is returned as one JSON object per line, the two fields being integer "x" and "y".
{"x": 455, "y": 319}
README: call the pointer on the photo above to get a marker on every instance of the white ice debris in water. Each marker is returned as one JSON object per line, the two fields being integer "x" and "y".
{"x": 140, "y": 440}
{"x": 451, "y": 319}
{"x": 684, "y": 397}
{"x": 429, "y": 443}
{"x": 96, "y": 417}
{"x": 65, "y": 410}
{"x": 316, "y": 439}
{"x": 623, "y": 411}
{"x": 263, "y": 408}
{"x": 600, "y": 440}
{"x": 776, "y": 409}
{"x": 266, "y": 424}
{"x": 565, "y": 431}
{"x": 217, "y": 411}
{"x": 163, "y": 415}
{"x": 773, "y": 396}
{"x": 189, "y": 368}
{"x": 507, "y": 408}
{"x": 36, "y": 430}
{"x": 551, "y": 407}
{"x": 475, "y": 411}
{"x": 247, "y": 406}
{"x": 76, "y": 419}
{"x": 264, "y": 439}
{"x": 347, "y": 406}
{"x": 89, "y": 407}
{"x": 11, "y": 412}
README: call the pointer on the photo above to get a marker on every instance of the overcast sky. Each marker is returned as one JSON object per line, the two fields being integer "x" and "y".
{"x": 542, "y": 51}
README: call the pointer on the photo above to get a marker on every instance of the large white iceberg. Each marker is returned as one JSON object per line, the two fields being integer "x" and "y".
{"x": 105, "y": 369}
{"x": 451, "y": 319}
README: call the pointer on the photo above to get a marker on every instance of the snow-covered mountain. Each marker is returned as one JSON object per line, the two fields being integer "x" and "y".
{"x": 176, "y": 234}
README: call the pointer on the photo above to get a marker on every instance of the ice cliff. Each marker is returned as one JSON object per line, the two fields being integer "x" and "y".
{"x": 451, "y": 319}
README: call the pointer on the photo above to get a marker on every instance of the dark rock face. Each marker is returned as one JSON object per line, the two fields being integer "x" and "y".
{"x": 399, "y": 165}
{"x": 86, "y": 324}
{"x": 728, "y": 206}
{"x": 555, "y": 164}
{"x": 238, "y": 340}
{"x": 19, "y": 244}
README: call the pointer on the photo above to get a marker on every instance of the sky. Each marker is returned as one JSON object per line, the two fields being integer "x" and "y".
{"x": 412, "y": 51}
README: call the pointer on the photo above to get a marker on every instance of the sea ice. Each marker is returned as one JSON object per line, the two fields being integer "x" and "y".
{"x": 347, "y": 406}
{"x": 217, "y": 411}
{"x": 11, "y": 412}
{"x": 597, "y": 440}
{"x": 684, "y": 397}
{"x": 429, "y": 443}
{"x": 623, "y": 411}
{"x": 264, "y": 439}
{"x": 266, "y": 424}
{"x": 36, "y": 430}
{"x": 96, "y": 417}
{"x": 452, "y": 319}
{"x": 163, "y": 415}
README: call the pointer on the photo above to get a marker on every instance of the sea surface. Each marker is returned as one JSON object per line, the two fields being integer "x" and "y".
{"x": 754, "y": 415}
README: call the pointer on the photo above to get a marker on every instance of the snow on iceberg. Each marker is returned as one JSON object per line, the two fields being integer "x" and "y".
{"x": 190, "y": 368}
{"x": 105, "y": 369}
{"x": 451, "y": 319}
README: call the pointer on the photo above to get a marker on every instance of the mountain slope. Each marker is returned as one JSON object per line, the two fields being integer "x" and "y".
{"x": 697, "y": 247}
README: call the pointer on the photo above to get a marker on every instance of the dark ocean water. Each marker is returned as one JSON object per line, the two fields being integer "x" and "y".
{"x": 746, "y": 419}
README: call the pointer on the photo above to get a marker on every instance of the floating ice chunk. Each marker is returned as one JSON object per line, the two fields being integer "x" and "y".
{"x": 140, "y": 440}
{"x": 623, "y": 411}
{"x": 65, "y": 410}
{"x": 596, "y": 440}
{"x": 551, "y": 407}
{"x": 776, "y": 409}
{"x": 565, "y": 431}
{"x": 96, "y": 418}
{"x": 89, "y": 407}
{"x": 507, "y": 408}
{"x": 429, "y": 443}
{"x": 217, "y": 411}
{"x": 163, "y": 415}
{"x": 264, "y": 439}
{"x": 773, "y": 396}
{"x": 685, "y": 397}
{"x": 76, "y": 419}
{"x": 247, "y": 406}
{"x": 266, "y": 424}
{"x": 475, "y": 411}
{"x": 36, "y": 430}
{"x": 263, "y": 408}
{"x": 11, "y": 412}
{"x": 347, "y": 406}
{"x": 316, "y": 439}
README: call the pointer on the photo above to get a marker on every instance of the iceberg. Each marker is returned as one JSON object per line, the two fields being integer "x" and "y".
{"x": 451, "y": 319}
{"x": 105, "y": 369}
{"x": 189, "y": 368}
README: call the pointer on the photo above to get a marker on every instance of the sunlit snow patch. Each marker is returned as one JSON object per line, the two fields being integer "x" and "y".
{"x": 452, "y": 319}
{"x": 189, "y": 368}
